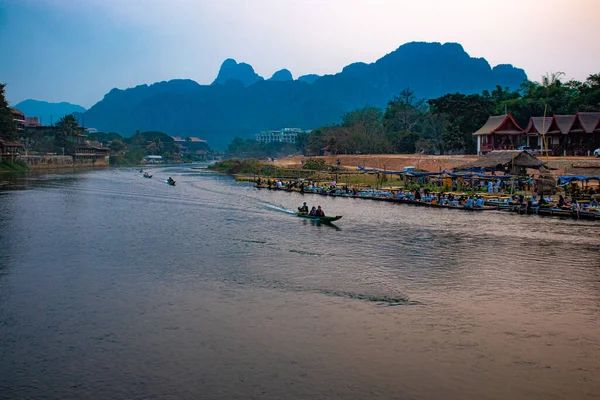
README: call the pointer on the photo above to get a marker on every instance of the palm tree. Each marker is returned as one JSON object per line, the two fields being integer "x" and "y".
{"x": 551, "y": 79}
{"x": 66, "y": 127}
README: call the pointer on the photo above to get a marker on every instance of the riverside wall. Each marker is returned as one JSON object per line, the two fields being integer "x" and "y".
{"x": 60, "y": 162}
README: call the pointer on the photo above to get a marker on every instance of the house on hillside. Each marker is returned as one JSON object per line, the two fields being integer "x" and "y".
{"x": 500, "y": 132}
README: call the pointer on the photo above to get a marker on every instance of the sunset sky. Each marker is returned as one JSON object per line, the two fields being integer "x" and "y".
{"x": 77, "y": 50}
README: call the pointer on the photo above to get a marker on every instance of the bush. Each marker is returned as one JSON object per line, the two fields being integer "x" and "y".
{"x": 315, "y": 164}
{"x": 13, "y": 166}
{"x": 250, "y": 166}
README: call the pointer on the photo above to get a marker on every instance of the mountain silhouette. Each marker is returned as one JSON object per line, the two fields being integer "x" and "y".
{"x": 310, "y": 78}
{"x": 241, "y": 103}
{"x": 282, "y": 75}
{"x": 47, "y": 113}
{"x": 231, "y": 70}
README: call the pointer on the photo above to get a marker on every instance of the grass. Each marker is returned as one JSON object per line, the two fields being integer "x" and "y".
{"x": 13, "y": 166}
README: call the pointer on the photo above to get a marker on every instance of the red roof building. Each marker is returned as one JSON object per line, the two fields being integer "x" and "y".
{"x": 500, "y": 132}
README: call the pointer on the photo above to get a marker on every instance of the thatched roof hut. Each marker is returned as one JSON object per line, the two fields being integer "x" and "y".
{"x": 503, "y": 159}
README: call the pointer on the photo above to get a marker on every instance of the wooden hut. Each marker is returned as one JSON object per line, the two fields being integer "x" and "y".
{"x": 536, "y": 129}
{"x": 510, "y": 161}
{"x": 500, "y": 132}
{"x": 590, "y": 122}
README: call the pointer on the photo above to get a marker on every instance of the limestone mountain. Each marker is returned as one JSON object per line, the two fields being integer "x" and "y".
{"x": 283, "y": 75}
{"x": 47, "y": 112}
{"x": 231, "y": 70}
{"x": 241, "y": 103}
{"x": 310, "y": 78}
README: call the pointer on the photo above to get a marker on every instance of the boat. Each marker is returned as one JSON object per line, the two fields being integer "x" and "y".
{"x": 171, "y": 182}
{"x": 325, "y": 219}
{"x": 147, "y": 175}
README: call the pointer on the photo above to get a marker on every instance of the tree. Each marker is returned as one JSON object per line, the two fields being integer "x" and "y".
{"x": 404, "y": 112}
{"x": 116, "y": 146}
{"x": 8, "y": 129}
{"x": 67, "y": 127}
{"x": 301, "y": 142}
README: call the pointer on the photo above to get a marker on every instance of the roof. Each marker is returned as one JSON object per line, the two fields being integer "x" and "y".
{"x": 500, "y": 124}
{"x": 538, "y": 124}
{"x": 590, "y": 121}
{"x": 16, "y": 112}
{"x": 504, "y": 158}
{"x": 95, "y": 144}
{"x": 11, "y": 144}
{"x": 561, "y": 124}
{"x": 192, "y": 139}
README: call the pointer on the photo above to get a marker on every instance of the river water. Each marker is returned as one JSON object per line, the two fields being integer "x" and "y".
{"x": 113, "y": 286}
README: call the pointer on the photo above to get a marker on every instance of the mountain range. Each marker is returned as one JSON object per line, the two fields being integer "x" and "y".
{"x": 241, "y": 103}
{"x": 47, "y": 113}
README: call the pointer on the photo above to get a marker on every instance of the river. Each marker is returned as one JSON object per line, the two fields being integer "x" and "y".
{"x": 113, "y": 286}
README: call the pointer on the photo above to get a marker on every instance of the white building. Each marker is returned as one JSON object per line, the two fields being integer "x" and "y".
{"x": 285, "y": 135}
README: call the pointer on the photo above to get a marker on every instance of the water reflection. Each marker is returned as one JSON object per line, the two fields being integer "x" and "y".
{"x": 112, "y": 285}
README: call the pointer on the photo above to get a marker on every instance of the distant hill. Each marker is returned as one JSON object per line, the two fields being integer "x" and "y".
{"x": 283, "y": 75}
{"x": 242, "y": 72}
{"x": 241, "y": 103}
{"x": 310, "y": 78}
{"x": 47, "y": 112}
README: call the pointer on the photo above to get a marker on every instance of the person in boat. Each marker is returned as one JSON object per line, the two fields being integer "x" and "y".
{"x": 479, "y": 202}
{"x": 561, "y": 201}
{"x": 170, "y": 180}
{"x": 313, "y": 212}
{"x": 141, "y": 170}
{"x": 593, "y": 203}
{"x": 320, "y": 212}
{"x": 469, "y": 203}
{"x": 303, "y": 209}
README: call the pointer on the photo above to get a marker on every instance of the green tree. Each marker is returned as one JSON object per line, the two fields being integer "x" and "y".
{"x": 8, "y": 129}
{"x": 404, "y": 112}
{"x": 301, "y": 142}
{"x": 116, "y": 146}
{"x": 67, "y": 127}
{"x": 588, "y": 94}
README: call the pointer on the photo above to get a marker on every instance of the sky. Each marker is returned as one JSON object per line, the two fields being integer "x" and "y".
{"x": 78, "y": 50}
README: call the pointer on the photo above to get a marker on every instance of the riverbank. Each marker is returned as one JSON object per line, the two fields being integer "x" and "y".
{"x": 396, "y": 162}
{"x": 7, "y": 166}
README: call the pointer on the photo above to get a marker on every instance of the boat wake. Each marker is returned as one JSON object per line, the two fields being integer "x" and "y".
{"x": 279, "y": 208}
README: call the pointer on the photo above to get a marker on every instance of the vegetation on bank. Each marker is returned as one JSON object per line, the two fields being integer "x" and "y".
{"x": 444, "y": 125}
{"x": 13, "y": 166}
{"x": 237, "y": 166}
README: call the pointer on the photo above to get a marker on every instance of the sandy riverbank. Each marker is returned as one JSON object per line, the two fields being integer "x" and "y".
{"x": 395, "y": 162}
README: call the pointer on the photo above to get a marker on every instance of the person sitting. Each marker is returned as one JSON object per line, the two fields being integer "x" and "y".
{"x": 469, "y": 203}
{"x": 303, "y": 209}
{"x": 313, "y": 212}
{"x": 479, "y": 202}
{"x": 320, "y": 212}
{"x": 593, "y": 203}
